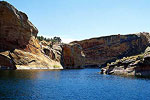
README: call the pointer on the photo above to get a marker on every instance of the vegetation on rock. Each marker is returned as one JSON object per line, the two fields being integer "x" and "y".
{"x": 138, "y": 65}
{"x": 53, "y": 40}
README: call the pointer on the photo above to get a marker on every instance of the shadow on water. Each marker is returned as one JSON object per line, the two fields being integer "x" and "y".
{"x": 76, "y": 84}
{"x": 23, "y": 74}
{"x": 131, "y": 77}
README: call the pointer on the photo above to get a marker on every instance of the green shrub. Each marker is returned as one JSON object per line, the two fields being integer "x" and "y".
{"x": 140, "y": 57}
{"x": 53, "y": 40}
{"x": 56, "y": 66}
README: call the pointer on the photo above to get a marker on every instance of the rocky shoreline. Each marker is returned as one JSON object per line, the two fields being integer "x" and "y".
{"x": 115, "y": 54}
{"x": 137, "y": 65}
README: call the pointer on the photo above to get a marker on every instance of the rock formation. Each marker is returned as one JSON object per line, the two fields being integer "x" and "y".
{"x": 99, "y": 51}
{"x": 15, "y": 28}
{"x": 69, "y": 55}
{"x": 72, "y": 56}
{"x": 53, "y": 52}
{"x": 19, "y": 48}
{"x": 138, "y": 65}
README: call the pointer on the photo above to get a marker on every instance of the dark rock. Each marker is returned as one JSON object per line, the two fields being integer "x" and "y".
{"x": 138, "y": 65}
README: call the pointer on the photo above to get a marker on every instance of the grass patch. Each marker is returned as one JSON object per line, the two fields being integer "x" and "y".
{"x": 56, "y": 66}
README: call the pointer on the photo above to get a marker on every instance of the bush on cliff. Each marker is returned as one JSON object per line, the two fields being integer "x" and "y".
{"x": 53, "y": 40}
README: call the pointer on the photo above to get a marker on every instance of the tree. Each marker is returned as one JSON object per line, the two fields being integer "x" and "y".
{"x": 40, "y": 38}
{"x": 53, "y": 40}
{"x": 57, "y": 39}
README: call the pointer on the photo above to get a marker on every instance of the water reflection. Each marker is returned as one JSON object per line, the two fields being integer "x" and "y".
{"x": 27, "y": 74}
{"x": 80, "y": 84}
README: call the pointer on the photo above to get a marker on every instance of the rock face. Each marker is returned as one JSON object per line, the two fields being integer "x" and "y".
{"x": 69, "y": 55}
{"x": 19, "y": 48}
{"x": 72, "y": 56}
{"x": 15, "y": 22}
{"x": 99, "y": 51}
{"x": 138, "y": 65}
{"x": 54, "y": 52}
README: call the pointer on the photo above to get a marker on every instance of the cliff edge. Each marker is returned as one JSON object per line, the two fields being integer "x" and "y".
{"x": 99, "y": 51}
{"x": 19, "y": 48}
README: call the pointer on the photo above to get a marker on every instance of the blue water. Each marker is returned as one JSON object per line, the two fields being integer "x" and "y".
{"x": 81, "y": 84}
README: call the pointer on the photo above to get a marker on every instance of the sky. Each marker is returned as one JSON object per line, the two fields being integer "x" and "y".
{"x": 82, "y": 19}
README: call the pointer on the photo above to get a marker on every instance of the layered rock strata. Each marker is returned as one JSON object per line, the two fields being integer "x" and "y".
{"x": 99, "y": 51}
{"x": 19, "y": 48}
{"x": 72, "y": 56}
{"x": 138, "y": 65}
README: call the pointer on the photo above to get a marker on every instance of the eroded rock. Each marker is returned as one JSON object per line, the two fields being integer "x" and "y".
{"x": 15, "y": 28}
{"x": 138, "y": 65}
{"x": 99, "y": 51}
{"x": 72, "y": 56}
{"x": 19, "y": 48}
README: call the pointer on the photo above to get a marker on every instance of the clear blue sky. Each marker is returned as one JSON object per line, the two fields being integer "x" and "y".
{"x": 81, "y": 19}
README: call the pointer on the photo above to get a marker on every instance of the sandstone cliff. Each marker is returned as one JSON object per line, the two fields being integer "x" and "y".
{"x": 99, "y": 51}
{"x": 72, "y": 56}
{"x": 19, "y": 48}
{"x": 69, "y": 55}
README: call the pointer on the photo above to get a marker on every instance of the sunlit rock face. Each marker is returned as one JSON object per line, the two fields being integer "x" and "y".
{"x": 19, "y": 48}
{"x": 100, "y": 50}
{"x": 15, "y": 28}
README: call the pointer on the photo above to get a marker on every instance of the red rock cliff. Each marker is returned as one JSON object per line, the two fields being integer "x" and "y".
{"x": 72, "y": 56}
{"x": 100, "y": 50}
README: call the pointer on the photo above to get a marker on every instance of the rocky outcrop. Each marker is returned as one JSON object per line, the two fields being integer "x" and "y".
{"x": 72, "y": 56}
{"x": 69, "y": 55}
{"x": 138, "y": 65}
{"x": 6, "y": 62}
{"x": 19, "y": 48}
{"x": 52, "y": 51}
{"x": 99, "y": 51}
{"x": 15, "y": 28}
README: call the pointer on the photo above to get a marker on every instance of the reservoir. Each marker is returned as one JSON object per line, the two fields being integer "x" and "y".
{"x": 76, "y": 84}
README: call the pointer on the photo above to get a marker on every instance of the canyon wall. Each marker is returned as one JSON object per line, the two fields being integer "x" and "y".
{"x": 72, "y": 56}
{"x": 19, "y": 48}
{"x": 99, "y": 51}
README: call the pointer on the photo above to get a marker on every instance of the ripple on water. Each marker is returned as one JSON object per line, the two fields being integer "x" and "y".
{"x": 81, "y": 84}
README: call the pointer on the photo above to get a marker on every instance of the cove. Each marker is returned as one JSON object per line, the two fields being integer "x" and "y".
{"x": 77, "y": 84}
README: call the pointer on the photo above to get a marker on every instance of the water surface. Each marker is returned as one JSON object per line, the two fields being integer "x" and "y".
{"x": 80, "y": 84}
